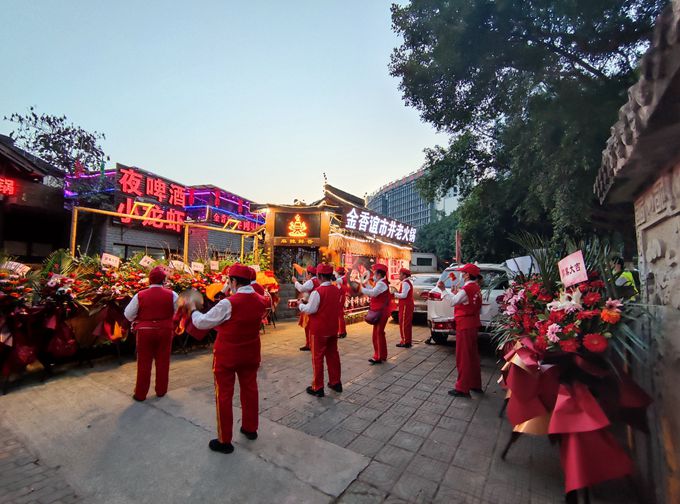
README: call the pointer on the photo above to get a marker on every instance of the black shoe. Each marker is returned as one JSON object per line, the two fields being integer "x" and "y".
{"x": 401, "y": 345}
{"x": 458, "y": 393}
{"x": 343, "y": 335}
{"x": 477, "y": 390}
{"x": 215, "y": 445}
{"x": 373, "y": 361}
{"x": 137, "y": 399}
{"x": 250, "y": 435}
{"x": 317, "y": 393}
{"x": 337, "y": 387}
{"x": 305, "y": 349}
{"x": 429, "y": 341}
{"x": 407, "y": 345}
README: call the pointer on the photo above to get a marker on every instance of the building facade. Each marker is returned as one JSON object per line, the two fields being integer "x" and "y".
{"x": 401, "y": 200}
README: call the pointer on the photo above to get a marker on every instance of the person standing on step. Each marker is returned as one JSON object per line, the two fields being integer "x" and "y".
{"x": 236, "y": 353}
{"x": 380, "y": 300}
{"x": 405, "y": 297}
{"x": 322, "y": 308}
{"x": 342, "y": 282}
{"x": 310, "y": 284}
{"x": 152, "y": 311}
{"x": 467, "y": 303}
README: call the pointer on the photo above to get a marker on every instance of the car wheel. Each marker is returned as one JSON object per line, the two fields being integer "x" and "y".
{"x": 439, "y": 338}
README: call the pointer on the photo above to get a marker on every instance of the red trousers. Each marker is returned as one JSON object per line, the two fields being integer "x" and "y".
{"x": 342, "y": 328}
{"x": 153, "y": 345}
{"x": 224, "y": 394}
{"x": 379, "y": 339}
{"x": 325, "y": 347}
{"x": 467, "y": 361}
{"x": 405, "y": 323}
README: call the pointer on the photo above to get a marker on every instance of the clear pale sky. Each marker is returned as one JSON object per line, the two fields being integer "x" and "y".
{"x": 258, "y": 97}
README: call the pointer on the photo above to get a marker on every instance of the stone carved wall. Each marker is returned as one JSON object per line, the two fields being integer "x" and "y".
{"x": 657, "y": 222}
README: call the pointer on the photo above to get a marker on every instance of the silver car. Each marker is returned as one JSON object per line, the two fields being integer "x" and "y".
{"x": 423, "y": 283}
{"x": 495, "y": 280}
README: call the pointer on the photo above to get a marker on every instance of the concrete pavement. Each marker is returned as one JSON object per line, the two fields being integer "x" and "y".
{"x": 393, "y": 435}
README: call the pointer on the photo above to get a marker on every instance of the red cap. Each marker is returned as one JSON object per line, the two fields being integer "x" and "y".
{"x": 470, "y": 269}
{"x": 340, "y": 270}
{"x": 405, "y": 271}
{"x": 324, "y": 269}
{"x": 157, "y": 275}
{"x": 240, "y": 271}
{"x": 380, "y": 267}
{"x": 311, "y": 270}
{"x": 253, "y": 274}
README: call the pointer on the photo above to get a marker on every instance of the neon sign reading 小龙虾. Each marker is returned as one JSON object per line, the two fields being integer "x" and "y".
{"x": 366, "y": 222}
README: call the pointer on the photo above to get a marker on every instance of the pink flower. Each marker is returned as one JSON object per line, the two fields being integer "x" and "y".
{"x": 613, "y": 304}
{"x": 553, "y": 329}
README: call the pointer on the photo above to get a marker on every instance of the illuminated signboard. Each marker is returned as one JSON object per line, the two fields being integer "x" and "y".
{"x": 145, "y": 194}
{"x": 297, "y": 225}
{"x": 297, "y": 228}
{"x": 8, "y": 187}
{"x": 369, "y": 223}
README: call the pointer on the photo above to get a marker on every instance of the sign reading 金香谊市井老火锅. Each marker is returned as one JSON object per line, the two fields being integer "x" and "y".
{"x": 367, "y": 222}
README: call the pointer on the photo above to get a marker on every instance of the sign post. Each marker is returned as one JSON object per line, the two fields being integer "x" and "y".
{"x": 573, "y": 269}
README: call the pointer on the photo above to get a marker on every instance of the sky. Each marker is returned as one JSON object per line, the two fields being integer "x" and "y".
{"x": 257, "y": 97}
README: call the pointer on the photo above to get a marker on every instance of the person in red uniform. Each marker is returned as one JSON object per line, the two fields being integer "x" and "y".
{"x": 152, "y": 311}
{"x": 253, "y": 282}
{"x": 380, "y": 300}
{"x": 322, "y": 307}
{"x": 467, "y": 303}
{"x": 236, "y": 353}
{"x": 310, "y": 284}
{"x": 405, "y": 297}
{"x": 342, "y": 282}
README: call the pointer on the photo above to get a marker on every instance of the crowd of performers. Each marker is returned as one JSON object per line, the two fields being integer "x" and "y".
{"x": 237, "y": 319}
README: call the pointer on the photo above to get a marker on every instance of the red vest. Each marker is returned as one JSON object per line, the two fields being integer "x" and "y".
{"x": 325, "y": 321}
{"x": 408, "y": 300}
{"x": 156, "y": 308}
{"x": 381, "y": 300}
{"x": 238, "y": 339}
{"x": 467, "y": 315}
{"x": 316, "y": 283}
{"x": 258, "y": 288}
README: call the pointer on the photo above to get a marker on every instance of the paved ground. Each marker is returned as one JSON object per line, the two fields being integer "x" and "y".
{"x": 393, "y": 435}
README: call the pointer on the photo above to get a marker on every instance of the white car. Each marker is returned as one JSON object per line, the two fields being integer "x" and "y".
{"x": 495, "y": 280}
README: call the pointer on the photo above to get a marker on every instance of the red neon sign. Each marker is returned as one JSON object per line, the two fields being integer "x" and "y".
{"x": 155, "y": 212}
{"x": 140, "y": 187}
{"x": 8, "y": 187}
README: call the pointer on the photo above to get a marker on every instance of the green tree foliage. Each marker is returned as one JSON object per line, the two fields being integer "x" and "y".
{"x": 56, "y": 141}
{"x": 528, "y": 90}
{"x": 439, "y": 237}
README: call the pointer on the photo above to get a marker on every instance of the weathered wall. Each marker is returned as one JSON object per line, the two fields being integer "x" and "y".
{"x": 657, "y": 222}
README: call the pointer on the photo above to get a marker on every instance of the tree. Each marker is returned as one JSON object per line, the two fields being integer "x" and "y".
{"x": 439, "y": 237}
{"x": 58, "y": 142}
{"x": 528, "y": 90}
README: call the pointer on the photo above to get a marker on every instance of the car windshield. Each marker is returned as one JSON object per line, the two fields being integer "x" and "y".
{"x": 491, "y": 279}
{"x": 424, "y": 280}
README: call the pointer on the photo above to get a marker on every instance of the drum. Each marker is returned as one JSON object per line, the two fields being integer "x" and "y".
{"x": 292, "y": 303}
